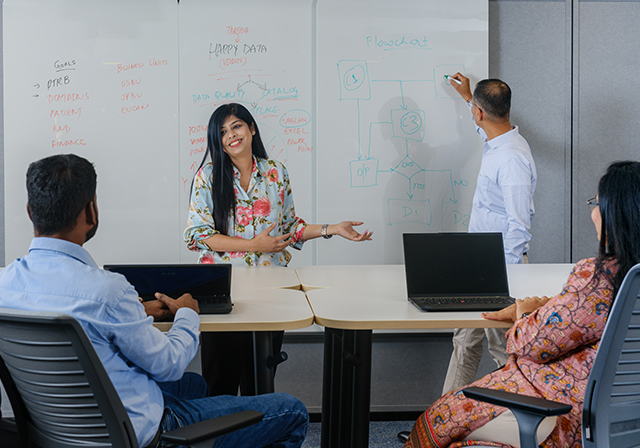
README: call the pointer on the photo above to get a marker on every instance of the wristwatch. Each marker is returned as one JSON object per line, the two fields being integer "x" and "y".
{"x": 323, "y": 232}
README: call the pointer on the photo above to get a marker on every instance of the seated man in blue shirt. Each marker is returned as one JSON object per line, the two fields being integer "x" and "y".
{"x": 145, "y": 365}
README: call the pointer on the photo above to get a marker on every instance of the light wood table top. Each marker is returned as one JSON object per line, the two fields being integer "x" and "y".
{"x": 264, "y": 277}
{"x": 264, "y": 309}
{"x": 375, "y": 296}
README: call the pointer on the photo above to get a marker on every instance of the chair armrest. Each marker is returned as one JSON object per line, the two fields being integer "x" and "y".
{"x": 210, "y": 429}
{"x": 510, "y": 400}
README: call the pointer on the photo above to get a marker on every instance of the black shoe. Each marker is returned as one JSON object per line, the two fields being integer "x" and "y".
{"x": 404, "y": 436}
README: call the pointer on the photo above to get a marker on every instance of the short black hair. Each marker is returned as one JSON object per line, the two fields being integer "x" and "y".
{"x": 59, "y": 187}
{"x": 493, "y": 96}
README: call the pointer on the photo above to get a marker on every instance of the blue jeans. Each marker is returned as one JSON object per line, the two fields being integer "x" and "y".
{"x": 284, "y": 424}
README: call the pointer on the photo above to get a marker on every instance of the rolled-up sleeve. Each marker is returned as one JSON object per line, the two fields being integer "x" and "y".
{"x": 200, "y": 224}
{"x": 291, "y": 222}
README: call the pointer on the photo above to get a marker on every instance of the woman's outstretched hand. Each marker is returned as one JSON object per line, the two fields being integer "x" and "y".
{"x": 345, "y": 230}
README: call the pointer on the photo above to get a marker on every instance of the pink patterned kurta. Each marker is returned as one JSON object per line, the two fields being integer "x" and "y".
{"x": 552, "y": 351}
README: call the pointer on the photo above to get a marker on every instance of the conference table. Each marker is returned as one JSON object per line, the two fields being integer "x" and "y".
{"x": 352, "y": 301}
{"x": 349, "y": 302}
{"x": 265, "y": 300}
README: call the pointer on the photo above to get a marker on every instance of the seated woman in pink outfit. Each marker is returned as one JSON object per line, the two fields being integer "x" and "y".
{"x": 553, "y": 342}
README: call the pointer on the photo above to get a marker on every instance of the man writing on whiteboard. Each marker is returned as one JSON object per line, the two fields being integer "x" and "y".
{"x": 503, "y": 202}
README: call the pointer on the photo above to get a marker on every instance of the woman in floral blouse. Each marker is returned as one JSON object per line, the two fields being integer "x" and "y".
{"x": 242, "y": 212}
{"x": 241, "y": 209}
{"x": 553, "y": 342}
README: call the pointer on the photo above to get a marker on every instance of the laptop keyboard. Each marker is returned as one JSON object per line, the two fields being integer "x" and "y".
{"x": 213, "y": 300}
{"x": 499, "y": 300}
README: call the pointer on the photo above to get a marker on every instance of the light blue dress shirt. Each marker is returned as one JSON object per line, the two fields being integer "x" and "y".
{"x": 61, "y": 276}
{"x": 503, "y": 200}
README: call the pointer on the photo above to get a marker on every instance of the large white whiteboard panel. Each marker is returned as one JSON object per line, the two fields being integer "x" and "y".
{"x": 336, "y": 87}
{"x": 261, "y": 58}
{"x": 396, "y": 146}
{"x": 99, "y": 79}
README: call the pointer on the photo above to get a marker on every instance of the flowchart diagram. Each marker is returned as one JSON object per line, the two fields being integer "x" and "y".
{"x": 407, "y": 124}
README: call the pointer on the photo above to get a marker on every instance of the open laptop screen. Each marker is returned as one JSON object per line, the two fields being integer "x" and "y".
{"x": 200, "y": 280}
{"x": 455, "y": 264}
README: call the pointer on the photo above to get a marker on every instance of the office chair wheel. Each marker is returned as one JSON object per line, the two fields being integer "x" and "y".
{"x": 404, "y": 436}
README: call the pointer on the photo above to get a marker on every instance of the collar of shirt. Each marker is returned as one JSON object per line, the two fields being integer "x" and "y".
{"x": 502, "y": 139}
{"x": 64, "y": 247}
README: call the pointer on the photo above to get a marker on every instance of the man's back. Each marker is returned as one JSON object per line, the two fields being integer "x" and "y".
{"x": 61, "y": 276}
{"x": 503, "y": 200}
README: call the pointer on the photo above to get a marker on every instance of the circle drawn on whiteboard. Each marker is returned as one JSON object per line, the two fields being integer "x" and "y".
{"x": 273, "y": 143}
{"x": 410, "y": 123}
{"x": 354, "y": 77}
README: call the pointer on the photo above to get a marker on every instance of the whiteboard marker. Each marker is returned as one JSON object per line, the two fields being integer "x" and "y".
{"x": 453, "y": 79}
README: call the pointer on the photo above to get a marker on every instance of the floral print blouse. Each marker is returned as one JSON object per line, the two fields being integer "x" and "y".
{"x": 267, "y": 200}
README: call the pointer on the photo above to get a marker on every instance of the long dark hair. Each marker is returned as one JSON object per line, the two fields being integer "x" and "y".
{"x": 619, "y": 203}
{"x": 223, "y": 196}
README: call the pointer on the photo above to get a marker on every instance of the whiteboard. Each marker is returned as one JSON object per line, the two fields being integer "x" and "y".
{"x": 262, "y": 59}
{"x": 131, "y": 86}
{"x": 99, "y": 79}
{"x": 396, "y": 145}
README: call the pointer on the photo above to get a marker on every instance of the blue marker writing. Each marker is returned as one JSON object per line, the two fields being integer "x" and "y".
{"x": 453, "y": 79}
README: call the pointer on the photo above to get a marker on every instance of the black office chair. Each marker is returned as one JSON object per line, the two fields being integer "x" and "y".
{"x": 62, "y": 396}
{"x": 8, "y": 431}
{"x": 611, "y": 410}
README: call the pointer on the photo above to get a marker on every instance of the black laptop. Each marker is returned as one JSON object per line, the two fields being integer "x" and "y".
{"x": 209, "y": 284}
{"x": 456, "y": 271}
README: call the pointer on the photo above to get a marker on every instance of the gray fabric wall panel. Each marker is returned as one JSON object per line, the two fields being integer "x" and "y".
{"x": 527, "y": 42}
{"x": 607, "y": 106}
{"x": 2, "y": 192}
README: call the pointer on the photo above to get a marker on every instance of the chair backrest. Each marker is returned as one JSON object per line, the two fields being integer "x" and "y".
{"x": 64, "y": 391}
{"x": 611, "y": 412}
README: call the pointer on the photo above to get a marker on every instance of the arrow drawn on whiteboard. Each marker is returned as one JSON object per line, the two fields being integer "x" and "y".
{"x": 404, "y": 106}
{"x": 37, "y": 86}
{"x": 253, "y": 91}
{"x": 36, "y": 95}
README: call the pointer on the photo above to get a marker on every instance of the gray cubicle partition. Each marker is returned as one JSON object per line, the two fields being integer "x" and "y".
{"x": 529, "y": 43}
{"x": 606, "y": 108}
{"x": 571, "y": 65}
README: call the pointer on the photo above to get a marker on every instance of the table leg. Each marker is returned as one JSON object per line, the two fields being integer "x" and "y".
{"x": 346, "y": 388}
{"x": 262, "y": 353}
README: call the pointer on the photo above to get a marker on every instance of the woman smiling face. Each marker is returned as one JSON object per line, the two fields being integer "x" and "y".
{"x": 237, "y": 137}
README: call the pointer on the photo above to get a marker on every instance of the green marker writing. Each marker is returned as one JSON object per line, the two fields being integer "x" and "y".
{"x": 453, "y": 79}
